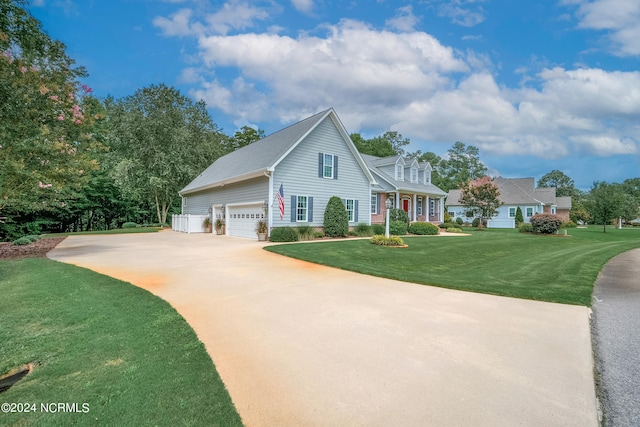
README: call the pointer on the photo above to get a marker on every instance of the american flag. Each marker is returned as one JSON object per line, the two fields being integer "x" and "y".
{"x": 281, "y": 201}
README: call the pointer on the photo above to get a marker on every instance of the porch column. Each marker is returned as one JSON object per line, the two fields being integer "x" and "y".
{"x": 414, "y": 208}
{"x": 441, "y": 216}
{"x": 397, "y": 200}
{"x": 428, "y": 209}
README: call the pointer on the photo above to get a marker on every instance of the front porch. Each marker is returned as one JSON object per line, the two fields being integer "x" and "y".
{"x": 419, "y": 207}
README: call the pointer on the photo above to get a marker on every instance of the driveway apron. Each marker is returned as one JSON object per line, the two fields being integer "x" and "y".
{"x": 298, "y": 344}
{"x": 616, "y": 337}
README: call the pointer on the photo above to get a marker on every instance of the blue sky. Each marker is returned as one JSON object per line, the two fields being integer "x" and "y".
{"x": 535, "y": 85}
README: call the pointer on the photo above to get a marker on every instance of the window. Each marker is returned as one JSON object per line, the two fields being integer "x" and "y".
{"x": 512, "y": 212}
{"x": 553, "y": 210}
{"x": 432, "y": 207}
{"x": 400, "y": 171}
{"x": 350, "y": 204}
{"x": 374, "y": 203}
{"x": 427, "y": 176}
{"x": 301, "y": 209}
{"x": 414, "y": 174}
{"x": 529, "y": 212}
{"x": 327, "y": 166}
{"x": 419, "y": 206}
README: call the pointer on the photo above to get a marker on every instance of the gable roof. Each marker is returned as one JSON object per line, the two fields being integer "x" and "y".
{"x": 374, "y": 163}
{"x": 519, "y": 191}
{"x": 261, "y": 156}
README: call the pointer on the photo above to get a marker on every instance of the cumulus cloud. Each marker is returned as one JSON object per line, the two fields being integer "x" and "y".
{"x": 304, "y": 6}
{"x": 467, "y": 13}
{"x": 404, "y": 20}
{"x": 619, "y": 18}
{"x": 408, "y": 81}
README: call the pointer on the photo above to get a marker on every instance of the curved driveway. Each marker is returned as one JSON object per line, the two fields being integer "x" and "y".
{"x": 616, "y": 336}
{"x": 299, "y": 344}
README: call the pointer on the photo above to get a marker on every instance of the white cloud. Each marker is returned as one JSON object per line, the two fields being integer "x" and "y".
{"x": 178, "y": 25}
{"x": 304, "y": 6}
{"x": 404, "y": 20}
{"x": 620, "y": 18}
{"x": 462, "y": 12}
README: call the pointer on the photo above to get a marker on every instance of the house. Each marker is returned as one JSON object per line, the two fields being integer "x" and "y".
{"x": 407, "y": 183}
{"x": 514, "y": 193}
{"x": 288, "y": 177}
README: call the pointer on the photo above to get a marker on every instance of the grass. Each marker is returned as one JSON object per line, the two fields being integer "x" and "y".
{"x": 498, "y": 262}
{"x": 96, "y": 340}
{"x": 112, "y": 231}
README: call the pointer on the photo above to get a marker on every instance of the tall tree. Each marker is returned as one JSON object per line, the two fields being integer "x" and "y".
{"x": 390, "y": 143}
{"x": 606, "y": 202}
{"x": 162, "y": 140}
{"x": 46, "y": 139}
{"x": 481, "y": 197}
{"x": 462, "y": 165}
{"x": 563, "y": 184}
{"x": 243, "y": 137}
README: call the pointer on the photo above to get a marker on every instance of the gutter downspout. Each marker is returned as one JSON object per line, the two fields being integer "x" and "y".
{"x": 270, "y": 203}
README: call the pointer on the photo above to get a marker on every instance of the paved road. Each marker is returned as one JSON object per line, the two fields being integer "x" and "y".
{"x": 298, "y": 344}
{"x": 616, "y": 333}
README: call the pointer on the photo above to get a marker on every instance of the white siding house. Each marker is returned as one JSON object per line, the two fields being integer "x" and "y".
{"x": 311, "y": 161}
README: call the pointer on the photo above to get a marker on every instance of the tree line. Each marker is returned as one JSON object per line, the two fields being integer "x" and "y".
{"x": 70, "y": 161}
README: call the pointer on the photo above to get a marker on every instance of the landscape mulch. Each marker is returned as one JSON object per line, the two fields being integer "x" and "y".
{"x": 37, "y": 249}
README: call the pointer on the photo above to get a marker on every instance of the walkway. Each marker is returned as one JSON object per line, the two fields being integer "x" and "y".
{"x": 299, "y": 344}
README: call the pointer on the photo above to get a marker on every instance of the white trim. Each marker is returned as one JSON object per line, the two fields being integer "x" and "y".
{"x": 271, "y": 204}
{"x": 306, "y": 208}
{"x": 239, "y": 178}
{"x": 414, "y": 208}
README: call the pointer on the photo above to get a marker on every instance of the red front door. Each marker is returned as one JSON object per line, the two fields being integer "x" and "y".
{"x": 405, "y": 205}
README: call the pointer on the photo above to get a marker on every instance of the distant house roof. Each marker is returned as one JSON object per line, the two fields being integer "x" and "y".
{"x": 519, "y": 191}
{"x": 261, "y": 156}
{"x": 374, "y": 163}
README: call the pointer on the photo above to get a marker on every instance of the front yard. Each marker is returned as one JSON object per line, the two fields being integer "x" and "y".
{"x": 498, "y": 262}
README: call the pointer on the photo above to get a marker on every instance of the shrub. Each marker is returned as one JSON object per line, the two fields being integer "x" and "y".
{"x": 397, "y": 228}
{"x": 318, "y": 234}
{"x": 423, "y": 228}
{"x": 446, "y": 225}
{"x": 363, "y": 230}
{"x": 377, "y": 229}
{"x": 569, "y": 224}
{"x": 336, "y": 219}
{"x": 284, "y": 234}
{"x": 525, "y": 228}
{"x": 459, "y": 221}
{"x": 32, "y": 237}
{"x": 21, "y": 241}
{"x": 305, "y": 232}
{"x": 545, "y": 223}
{"x": 454, "y": 230}
{"x": 398, "y": 215}
{"x": 476, "y": 222}
{"x": 519, "y": 217}
{"x": 379, "y": 239}
{"x": 129, "y": 225}
{"x": 447, "y": 217}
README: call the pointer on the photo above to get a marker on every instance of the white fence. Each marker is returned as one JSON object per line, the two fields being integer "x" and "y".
{"x": 188, "y": 223}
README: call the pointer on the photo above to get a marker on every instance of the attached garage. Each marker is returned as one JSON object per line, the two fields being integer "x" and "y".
{"x": 242, "y": 220}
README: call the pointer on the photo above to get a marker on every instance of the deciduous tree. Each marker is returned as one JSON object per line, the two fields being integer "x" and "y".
{"x": 481, "y": 197}
{"x": 563, "y": 184}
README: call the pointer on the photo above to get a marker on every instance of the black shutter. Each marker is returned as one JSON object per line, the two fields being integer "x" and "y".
{"x": 294, "y": 208}
{"x": 310, "y": 208}
{"x": 335, "y": 167}
{"x": 320, "y": 164}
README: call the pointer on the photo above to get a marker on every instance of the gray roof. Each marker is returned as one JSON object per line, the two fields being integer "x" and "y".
{"x": 255, "y": 158}
{"x": 374, "y": 162}
{"x": 519, "y": 191}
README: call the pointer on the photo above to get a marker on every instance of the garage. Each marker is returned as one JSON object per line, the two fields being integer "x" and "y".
{"x": 243, "y": 219}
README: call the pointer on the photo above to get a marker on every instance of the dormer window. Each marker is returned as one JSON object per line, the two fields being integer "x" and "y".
{"x": 414, "y": 174}
{"x": 400, "y": 169}
{"x": 427, "y": 174}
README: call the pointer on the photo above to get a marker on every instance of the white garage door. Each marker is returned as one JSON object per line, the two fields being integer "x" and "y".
{"x": 243, "y": 219}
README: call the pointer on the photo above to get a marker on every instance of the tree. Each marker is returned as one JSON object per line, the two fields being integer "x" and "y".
{"x": 481, "y": 197}
{"x": 390, "y": 143}
{"x": 563, "y": 184}
{"x": 336, "y": 219}
{"x": 162, "y": 141}
{"x": 243, "y": 137}
{"x": 519, "y": 216}
{"x": 46, "y": 120}
{"x": 462, "y": 165}
{"x": 605, "y": 202}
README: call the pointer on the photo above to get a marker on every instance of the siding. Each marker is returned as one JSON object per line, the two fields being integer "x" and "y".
{"x": 253, "y": 190}
{"x": 298, "y": 173}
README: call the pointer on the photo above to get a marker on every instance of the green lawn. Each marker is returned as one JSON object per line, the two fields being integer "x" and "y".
{"x": 126, "y": 353}
{"x": 498, "y": 262}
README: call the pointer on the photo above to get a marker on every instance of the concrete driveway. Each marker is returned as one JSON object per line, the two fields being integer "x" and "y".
{"x": 304, "y": 345}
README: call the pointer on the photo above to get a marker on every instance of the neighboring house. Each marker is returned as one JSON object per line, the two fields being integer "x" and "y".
{"x": 311, "y": 161}
{"x": 408, "y": 184}
{"x": 514, "y": 193}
